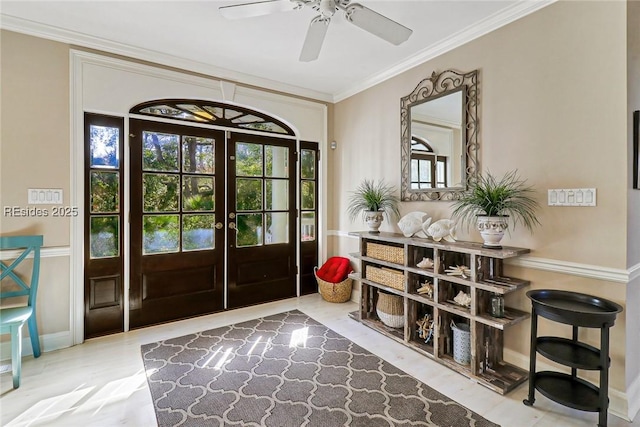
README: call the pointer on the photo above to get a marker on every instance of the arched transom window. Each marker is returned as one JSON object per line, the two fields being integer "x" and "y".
{"x": 211, "y": 112}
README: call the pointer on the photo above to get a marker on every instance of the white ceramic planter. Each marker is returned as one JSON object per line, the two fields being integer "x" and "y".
{"x": 492, "y": 229}
{"x": 373, "y": 220}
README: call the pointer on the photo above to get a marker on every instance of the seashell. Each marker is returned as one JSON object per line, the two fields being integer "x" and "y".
{"x": 412, "y": 222}
{"x": 425, "y": 263}
{"x": 426, "y": 290}
{"x": 442, "y": 229}
{"x": 463, "y": 299}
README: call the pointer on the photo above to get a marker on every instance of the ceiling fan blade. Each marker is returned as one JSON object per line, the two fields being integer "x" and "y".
{"x": 258, "y": 8}
{"x": 315, "y": 36}
{"x": 377, "y": 24}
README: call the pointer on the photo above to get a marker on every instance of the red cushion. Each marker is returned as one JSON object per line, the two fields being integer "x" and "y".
{"x": 335, "y": 270}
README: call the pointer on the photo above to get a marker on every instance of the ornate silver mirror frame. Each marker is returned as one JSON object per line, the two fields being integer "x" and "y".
{"x": 431, "y": 88}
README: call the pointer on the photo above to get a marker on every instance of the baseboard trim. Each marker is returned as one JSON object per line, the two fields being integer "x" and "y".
{"x": 633, "y": 398}
{"x": 49, "y": 342}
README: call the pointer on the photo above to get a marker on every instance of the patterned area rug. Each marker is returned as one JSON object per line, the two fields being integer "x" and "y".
{"x": 287, "y": 370}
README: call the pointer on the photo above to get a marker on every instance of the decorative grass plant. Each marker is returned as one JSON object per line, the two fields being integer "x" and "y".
{"x": 373, "y": 196}
{"x": 507, "y": 196}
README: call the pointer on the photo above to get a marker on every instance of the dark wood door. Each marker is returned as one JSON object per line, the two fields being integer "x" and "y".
{"x": 177, "y": 216}
{"x": 309, "y": 157}
{"x": 103, "y": 225}
{"x": 261, "y": 243}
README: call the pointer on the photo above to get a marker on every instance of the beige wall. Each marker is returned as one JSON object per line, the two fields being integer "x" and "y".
{"x": 34, "y": 153}
{"x": 552, "y": 101}
{"x": 633, "y": 209}
{"x": 553, "y": 104}
{"x": 35, "y": 129}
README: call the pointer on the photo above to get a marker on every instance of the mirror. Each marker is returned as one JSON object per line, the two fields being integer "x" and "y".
{"x": 439, "y": 136}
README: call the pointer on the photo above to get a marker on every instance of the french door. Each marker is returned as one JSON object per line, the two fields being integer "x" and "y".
{"x": 185, "y": 231}
{"x": 261, "y": 246}
{"x": 177, "y": 214}
{"x": 212, "y": 222}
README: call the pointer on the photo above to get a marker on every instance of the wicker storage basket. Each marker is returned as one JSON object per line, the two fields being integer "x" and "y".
{"x": 334, "y": 292}
{"x": 390, "y": 309}
{"x": 385, "y": 276}
{"x": 387, "y": 253}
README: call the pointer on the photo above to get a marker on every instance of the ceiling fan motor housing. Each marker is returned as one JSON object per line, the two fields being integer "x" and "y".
{"x": 327, "y": 8}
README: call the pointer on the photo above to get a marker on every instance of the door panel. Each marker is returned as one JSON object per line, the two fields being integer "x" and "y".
{"x": 177, "y": 252}
{"x": 261, "y": 233}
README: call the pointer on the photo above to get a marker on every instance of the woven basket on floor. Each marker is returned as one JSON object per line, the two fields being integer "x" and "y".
{"x": 334, "y": 292}
{"x": 390, "y": 309}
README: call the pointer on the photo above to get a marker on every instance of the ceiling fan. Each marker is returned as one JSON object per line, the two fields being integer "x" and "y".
{"x": 355, "y": 13}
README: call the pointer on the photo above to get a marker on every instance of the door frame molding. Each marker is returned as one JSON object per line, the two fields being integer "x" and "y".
{"x": 78, "y": 60}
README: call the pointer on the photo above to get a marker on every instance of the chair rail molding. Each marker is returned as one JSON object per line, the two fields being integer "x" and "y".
{"x": 45, "y": 252}
{"x": 617, "y": 275}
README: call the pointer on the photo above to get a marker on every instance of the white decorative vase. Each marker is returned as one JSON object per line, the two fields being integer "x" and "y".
{"x": 373, "y": 220}
{"x": 492, "y": 230}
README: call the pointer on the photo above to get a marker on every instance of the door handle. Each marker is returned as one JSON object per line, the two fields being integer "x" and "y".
{"x": 219, "y": 225}
{"x": 232, "y": 225}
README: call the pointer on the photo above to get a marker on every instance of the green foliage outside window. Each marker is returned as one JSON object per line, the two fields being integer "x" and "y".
{"x": 105, "y": 194}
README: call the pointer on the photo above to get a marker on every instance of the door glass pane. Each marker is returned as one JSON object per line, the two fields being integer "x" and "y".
{"x": 197, "y": 193}
{"x": 105, "y": 236}
{"x": 160, "y": 234}
{"x": 197, "y": 232}
{"x": 198, "y": 155}
{"x": 104, "y": 142}
{"x": 308, "y": 226}
{"x": 277, "y": 228}
{"x": 248, "y": 194}
{"x": 161, "y": 192}
{"x": 308, "y": 164}
{"x": 160, "y": 151}
{"x": 308, "y": 194}
{"x": 277, "y": 195}
{"x": 249, "y": 230}
{"x": 105, "y": 192}
{"x": 276, "y": 161}
{"x": 248, "y": 159}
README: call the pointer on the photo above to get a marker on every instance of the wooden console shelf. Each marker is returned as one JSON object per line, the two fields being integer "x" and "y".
{"x": 483, "y": 279}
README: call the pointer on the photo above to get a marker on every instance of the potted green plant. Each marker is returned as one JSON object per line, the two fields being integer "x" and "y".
{"x": 373, "y": 200}
{"x": 493, "y": 203}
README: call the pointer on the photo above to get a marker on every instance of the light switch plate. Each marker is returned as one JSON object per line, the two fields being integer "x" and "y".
{"x": 572, "y": 197}
{"x": 44, "y": 196}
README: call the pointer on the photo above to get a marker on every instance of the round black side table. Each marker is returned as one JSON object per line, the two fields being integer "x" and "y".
{"x": 577, "y": 310}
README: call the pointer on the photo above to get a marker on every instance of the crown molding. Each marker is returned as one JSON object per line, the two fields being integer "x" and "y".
{"x": 478, "y": 29}
{"x": 24, "y": 26}
{"x": 491, "y": 23}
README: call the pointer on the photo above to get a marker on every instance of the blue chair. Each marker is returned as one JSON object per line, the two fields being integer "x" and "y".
{"x": 13, "y": 318}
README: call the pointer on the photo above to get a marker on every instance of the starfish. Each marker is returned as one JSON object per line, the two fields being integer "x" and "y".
{"x": 459, "y": 270}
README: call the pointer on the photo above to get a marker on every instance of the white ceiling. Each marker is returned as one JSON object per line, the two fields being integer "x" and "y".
{"x": 264, "y": 50}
